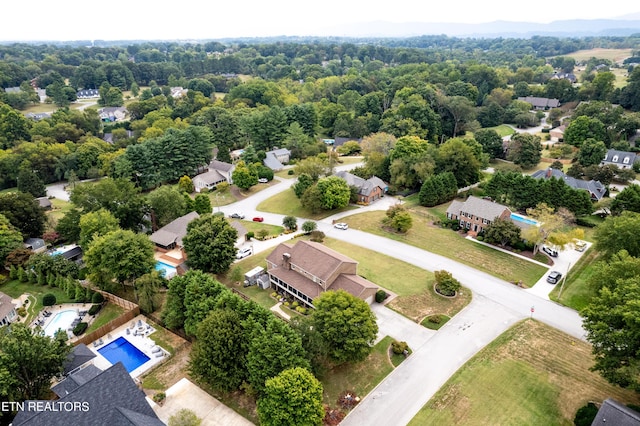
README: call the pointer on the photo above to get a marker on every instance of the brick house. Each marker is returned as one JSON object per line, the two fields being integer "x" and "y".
{"x": 475, "y": 214}
{"x": 369, "y": 190}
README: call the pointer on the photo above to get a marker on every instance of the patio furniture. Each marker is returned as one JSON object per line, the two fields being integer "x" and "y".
{"x": 159, "y": 354}
{"x": 156, "y": 350}
{"x": 128, "y": 331}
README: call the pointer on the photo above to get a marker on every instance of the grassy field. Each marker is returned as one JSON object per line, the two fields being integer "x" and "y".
{"x": 452, "y": 245}
{"x": 221, "y": 198}
{"x": 531, "y": 375}
{"x": 576, "y": 293}
{"x": 287, "y": 203}
{"x": 109, "y": 312}
{"x": 503, "y": 130}
{"x": 254, "y": 227}
{"x": 615, "y": 55}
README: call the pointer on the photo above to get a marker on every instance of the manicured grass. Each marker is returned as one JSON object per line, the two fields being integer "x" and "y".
{"x": 435, "y": 326}
{"x": 109, "y": 312}
{"x": 220, "y": 198}
{"x": 503, "y": 130}
{"x": 15, "y": 288}
{"x": 284, "y": 174}
{"x": 350, "y": 160}
{"x": 359, "y": 378}
{"x": 256, "y": 226}
{"x": 288, "y": 204}
{"x": 532, "y": 374}
{"x": 447, "y": 243}
{"x": 611, "y": 54}
{"x": 162, "y": 338}
{"x": 58, "y": 209}
{"x": 576, "y": 293}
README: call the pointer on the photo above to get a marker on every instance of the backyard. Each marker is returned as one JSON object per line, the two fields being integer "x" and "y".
{"x": 15, "y": 288}
{"x": 534, "y": 374}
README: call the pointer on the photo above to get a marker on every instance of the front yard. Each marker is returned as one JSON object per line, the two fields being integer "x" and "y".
{"x": 287, "y": 203}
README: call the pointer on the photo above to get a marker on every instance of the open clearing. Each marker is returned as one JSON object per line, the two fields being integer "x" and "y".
{"x": 531, "y": 375}
{"x": 616, "y": 55}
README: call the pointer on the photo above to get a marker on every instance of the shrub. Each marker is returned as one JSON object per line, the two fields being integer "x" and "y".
{"x": 398, "y": 348}
{"x": 317, "y": 236}
{"x": 48, "y": 299}
{"x": 21, "y": 312}
{"x": 290, "y": 172}
{"x": 97, "y": 298}
{"x": 309, "y": 226}
{"x": 435, "y": 319}
{"x": 585, "y": 415}
{"x": 274, "y": 295}
{"x": 80, "y": 328}
{"x": 160, "y": 396}
{"x": 262, "y": 234}
{"x": 249, "y": 235}
{"x": 295, "y": 304}
{"x": 446, "y": 284}
{"x": 381, "y": 295}
{"x": 584, "y": 222}
{"x": 94, "y": 309}
{"x": 301, "y": 310}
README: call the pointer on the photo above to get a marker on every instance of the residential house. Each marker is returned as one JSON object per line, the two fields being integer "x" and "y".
{"x": 306, "y": 270}
{"x": 108, "y": 137}
{"x": 218, "y": 172}
{"x": 369, "y": 190}
{"x": 611, "y": 412}
{"x": 170, "y": 236}
{"x": 475, "y": 214}
{"x": 36, "y": 245}
{"x": 37, "y": 116}
{"x": 620, "y": 159}
{"x": 7, "y": 310}
{"x": 88, "y": 93}
{"x": 595, "y": 188}
{"x": 111, "y": 114}
{"x": 15, "y": 89}
{"x": 178, "y": 92}
{"x": 99, "y": 398}
{"x": 277, "y": 158}
{"x": 557, "y": 133}
{"x": 79, "y": 357}
{"x": 72, "y": 252}
{"x": 564, "y": 76}
{"x": 44, "y": 202}
{"x": 540, "y": 103}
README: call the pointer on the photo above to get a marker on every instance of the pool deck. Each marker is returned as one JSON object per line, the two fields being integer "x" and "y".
{"x": 138, "y": 336}
{"x": 43, "y": 321}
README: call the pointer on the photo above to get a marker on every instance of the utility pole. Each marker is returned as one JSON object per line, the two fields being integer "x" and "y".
{"x": 564, "y": 279}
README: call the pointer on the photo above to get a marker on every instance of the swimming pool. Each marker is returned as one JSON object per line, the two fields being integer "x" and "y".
{"x": 524, "y": 219}
{"x": 62, "y": 320}
{"x": 166, "y": 270}
{"x": 121, "y": 350}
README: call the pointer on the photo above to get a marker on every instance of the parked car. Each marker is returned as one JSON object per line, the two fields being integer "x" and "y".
{"x": 580, "y": 245}
{"x": 258, "y": 219}
{"x": 550, "y": 251}
{"x": 341, "y": 225}
{"x": 236, "y": 216}
{"x": 554, "y": 277}
{"x": 244, "y": 252}
{"x": 263, "y": 180}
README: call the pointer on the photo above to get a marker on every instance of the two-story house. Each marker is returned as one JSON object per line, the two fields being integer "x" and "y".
{"x": 218, "y": 172}
{"x": 277, "y": 158}
{"x": 475, "y": 214}
{"x": 7, "y": 310}
{"x": 369, "y": 190}
{"x": 307, "y": 269}
{"x": 620, "y": 159}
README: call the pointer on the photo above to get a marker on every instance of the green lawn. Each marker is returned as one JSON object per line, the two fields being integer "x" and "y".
{"x": 447, "y": 243}
{"x": 221, "y": 198}
{"x": 254, "y": 227}
{"x": 15, "y": 288}
{"x": 531, "y": 375}
{"x": 576, "y": 293}
{"x": 288, "y": 204}
{"x": 503, "y": 130}
{"x": 109, "y": 312}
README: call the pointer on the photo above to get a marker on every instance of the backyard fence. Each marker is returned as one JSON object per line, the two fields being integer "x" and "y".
{"x": 109, "y": 327}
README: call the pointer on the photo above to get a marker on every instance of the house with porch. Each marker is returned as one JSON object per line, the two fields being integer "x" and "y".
{"x": 7, "y": 310}
{"x": 307, "y": 269}
{"x": 217, "y": 172}
{"x": 170, "y": 236}
{"x": 475, "y": 214}
{"x": 369, "y": 190}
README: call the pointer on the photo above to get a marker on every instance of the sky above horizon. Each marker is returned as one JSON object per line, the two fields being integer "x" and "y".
{"x": 194, "y": 19}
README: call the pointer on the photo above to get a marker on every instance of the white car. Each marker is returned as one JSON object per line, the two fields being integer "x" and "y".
{"x": 244, "y": 252}
{"x": 341, "y": 225}
{"x": 580, "y": 245}
{"x": 263, "y": 180}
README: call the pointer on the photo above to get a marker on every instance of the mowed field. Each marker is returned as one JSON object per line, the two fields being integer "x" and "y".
{"x": 616, "y": 55}
{"x": 531, "y": 375}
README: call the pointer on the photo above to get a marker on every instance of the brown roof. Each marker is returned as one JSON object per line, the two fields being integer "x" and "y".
{"x": 353, "y": 284}
{"x": 5, "y": 305}
{"x": 318, "y": 260}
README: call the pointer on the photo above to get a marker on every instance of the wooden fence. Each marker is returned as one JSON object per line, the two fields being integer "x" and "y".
{"x": 109, "y": 327}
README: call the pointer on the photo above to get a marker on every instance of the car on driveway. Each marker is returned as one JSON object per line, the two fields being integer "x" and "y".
{"x": 554, "y": 277}
{"x": 258, "y": 219}
{"x": 550, "y": 251}
{"x": 244, "y": 252}
{"x": 580, "y": 245}
{"x": 263, "y": 180}
{"x": 236, "y": 216}
{"x": 341, "y": 225}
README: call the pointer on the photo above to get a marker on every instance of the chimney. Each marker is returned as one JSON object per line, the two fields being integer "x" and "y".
{"x": 549, "y": 172}
{"x": 286, "y": 260}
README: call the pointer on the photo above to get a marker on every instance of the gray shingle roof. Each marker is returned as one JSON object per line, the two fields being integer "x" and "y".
{"x": 364, "y": 186}
{"x": 220, "y": 165}
{"x": 594, "y": 187}
{"x": 111, "y": 397}
{"x": 540, "y": 102}
{"x": 173, "y": 231}
{"x": 620, "y": 156}
{"x": 613, "y": 413}
{"x": 76, "y": 380}
{"x": 478, "y": 207}
{"x": 34, "y": 243}
{"x": 6, "y": 305}
{"x": 272, "y": 162}
{"x": 78, "y": 356}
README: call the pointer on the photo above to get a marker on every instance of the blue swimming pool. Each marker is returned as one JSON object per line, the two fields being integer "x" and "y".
{"x": 61, "y": 321}
{"x": 166, "y": 270}
{"x": 524, "y": 219}
{"x": 121, "y": 350}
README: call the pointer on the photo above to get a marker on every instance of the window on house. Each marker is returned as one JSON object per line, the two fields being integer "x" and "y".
{"x": 615, "y": 159}
{"x": 626, "y": 160}
{"x": 468, "y": 225}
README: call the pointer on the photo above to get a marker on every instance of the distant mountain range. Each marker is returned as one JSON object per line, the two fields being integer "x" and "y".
{"x": 622, "y": 26}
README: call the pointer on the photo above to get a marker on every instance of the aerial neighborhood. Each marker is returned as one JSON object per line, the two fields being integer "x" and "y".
{"x": 430, "y": 230}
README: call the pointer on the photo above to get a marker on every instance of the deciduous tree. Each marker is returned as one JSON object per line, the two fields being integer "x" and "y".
{"x": 10, "y": 238}
{"x": 619, "y": 233}
{"x": 502, "y": 231}
{"x": 334, "y": 192}
{"x": 96, "y": 224}
{"x": 24, "y": 212}
{"x": 167, "y": 204}
{"x": 210, "y": 244}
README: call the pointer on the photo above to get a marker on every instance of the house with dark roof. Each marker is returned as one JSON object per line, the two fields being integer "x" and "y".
{"x": 540, "y": 103}
{"x": 307, "y": 269}
{"x": 79, "y": 357}
{"x": 277, "y": 158}
{"x": 36, "y": 245}
{"x": 94, "y": 397}
{"x": 595, "y": 188}
{"x": 475, "y": 214}
{"x": 611, "y": 412}
{"x": 564, "y": 76}
{"x": 170, "y": 236}
{"x": 620, "y": 159}
{"x": 88, "y": 93}
{"x": 72, "y": 252}
{"x": 7, "y": 310}
{"x": 44, "y": 202}
{"x": 369, "y": 190}
{"x": 217, "y": 172}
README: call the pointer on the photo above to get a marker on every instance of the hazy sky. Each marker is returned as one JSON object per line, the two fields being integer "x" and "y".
{"x": 188, "y": 19}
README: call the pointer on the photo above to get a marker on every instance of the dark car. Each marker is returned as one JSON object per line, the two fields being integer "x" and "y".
{"x": 550, "y": 251}
{"x": 237, "y": 216}
{"x": 554, "y": 277}
{"x": 258, "y": 219}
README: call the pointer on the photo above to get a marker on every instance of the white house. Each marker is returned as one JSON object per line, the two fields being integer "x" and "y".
{"x": 218, "y": 172}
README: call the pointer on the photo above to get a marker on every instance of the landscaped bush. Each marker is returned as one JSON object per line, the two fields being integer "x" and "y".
{"x": 48, "y": 299}
{"x": 21, "y": 312}
{"x": 94, "y": 309}
{"x": 249, "y": 235}
{"x": 80, "y": 328}
{"x": 381, "y": 295}
{"x": 398, "y": 348}
{"x": 446, "y": 284}
{"x": 584, "y": 222}
{"x": 435, "y": 319}
{"x": 317, "y": 236}
{"x": 262, "y": 234}
{"x": 301, "y": 310}
{"x": 97, "y": 298}
{"x": 290, "y": 172}
{"x": 159, "y": 397}
{"x": 585, "y": 415}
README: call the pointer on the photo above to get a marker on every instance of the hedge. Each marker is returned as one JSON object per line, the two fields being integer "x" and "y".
{"x": 94, "y": 309}
{"x": 80, "y": 328}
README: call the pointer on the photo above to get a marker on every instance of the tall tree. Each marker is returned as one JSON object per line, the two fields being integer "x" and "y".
{"x": 167, "y": 204}
{"x": 243, "y": 177}
{"x": 525, "y": 150}
{"x": 591, "y": 152}
{"x": 147, "y": 289}
{"x": 30, "y": 182}
{"x": 628, "y": 199}
{"x": 10, "y": 238}
{"x": 95, "y": 224}
{"x": 346, "y": 324}
{"x": 210, "y": 244}
{"x": 491, "y": 142}
{"x": 502, "y": 231}
{"x": 29, "y": 360}
{"x": 24, "y": 212}
{"x": 334, "y": 192}
{"x": 294, "y": 397}
{"x": 619, "y": 233}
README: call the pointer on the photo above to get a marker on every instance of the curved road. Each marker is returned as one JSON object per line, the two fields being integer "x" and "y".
{"x": 495, "y": 307}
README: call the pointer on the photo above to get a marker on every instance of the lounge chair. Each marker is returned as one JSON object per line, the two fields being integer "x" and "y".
{"x": 159, "y": 354}
{"x": 156, "y": 350}
{"x": 128, "y": 331}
